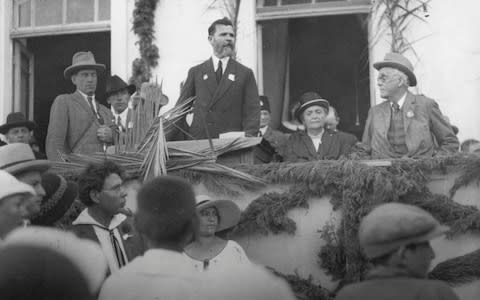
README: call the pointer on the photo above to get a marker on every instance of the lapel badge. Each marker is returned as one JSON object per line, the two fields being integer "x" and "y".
{"x": 410, "y": 114}
{"x": 205, "y": 76}
{"x": 231, "y": 77}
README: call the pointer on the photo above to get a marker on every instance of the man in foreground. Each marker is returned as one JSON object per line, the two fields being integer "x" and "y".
{"x": 396, "y": 239}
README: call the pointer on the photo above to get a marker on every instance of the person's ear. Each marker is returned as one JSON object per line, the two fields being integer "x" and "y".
{"x": 94, "y": 195}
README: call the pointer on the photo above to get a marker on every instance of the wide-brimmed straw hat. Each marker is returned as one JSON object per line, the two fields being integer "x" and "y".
{"x": 390, "y": 226}
{"x": 16, "y": 119}
{"x": 18, "y": 157}
{"x": 82, "y": 61}
{"x": 399, "y": 62}
{"x": 310, "y": 99}
{"x": 11, "y": 186}
{"x": 228, "y": 211}
{"x": 116, "y": 84}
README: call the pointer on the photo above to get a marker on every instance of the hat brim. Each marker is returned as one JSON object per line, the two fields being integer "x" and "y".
{"x": 131, "y": 88}
{"x": 6, "y": 127}
{"x": 229, "y": 212}
{"x": 319, "y": 102}
{"x": 389, "y": 64}
{"x": 40, "y": 165}
{"x": 72, "y": 69}
{"x": 373, "y": 251}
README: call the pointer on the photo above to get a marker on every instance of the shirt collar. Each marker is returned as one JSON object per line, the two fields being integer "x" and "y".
{"x": 86, "y": 219}
{"x": 263, "y": 130}
{"x": 224, "y": 62}
{"x": 85, "y": 95}
{"x": 122, "y": 115}
{"x": 401, "y": 101}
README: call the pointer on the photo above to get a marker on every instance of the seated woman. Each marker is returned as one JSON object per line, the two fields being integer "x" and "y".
{"x": 316, "y": 142}
{"x": 208, "y": 251}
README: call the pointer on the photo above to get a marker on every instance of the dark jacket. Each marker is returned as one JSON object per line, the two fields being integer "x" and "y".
{"x": 300, "y": 147}
{"x": 231, "y": 105}
{"x": 397, "y": 287}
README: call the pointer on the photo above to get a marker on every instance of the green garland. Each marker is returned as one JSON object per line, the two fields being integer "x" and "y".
{"x": 458, "y": 270}
{"x": 356, "y": 188}
{"x": 143, "y": 26}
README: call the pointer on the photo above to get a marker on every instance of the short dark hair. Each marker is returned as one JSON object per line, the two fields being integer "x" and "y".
{"x": 225, "y": 21}
{"x": 93, "y": 179}
{"x": 166, "y": 209}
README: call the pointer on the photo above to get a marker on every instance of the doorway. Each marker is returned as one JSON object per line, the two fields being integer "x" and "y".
{"x": 327, "y": 55}
{"x": 52, "y": 54}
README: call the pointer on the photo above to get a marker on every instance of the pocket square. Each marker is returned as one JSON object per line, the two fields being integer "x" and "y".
{"x": 205, "y": 76}
{"x": 231, "y": 77}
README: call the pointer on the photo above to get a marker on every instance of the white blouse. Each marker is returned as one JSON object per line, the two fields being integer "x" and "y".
{"x": 232, "y": 254}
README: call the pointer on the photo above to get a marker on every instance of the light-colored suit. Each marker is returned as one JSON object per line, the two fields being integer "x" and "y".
{"x": 425, "y": 128}
{"x": 73, "y": 126}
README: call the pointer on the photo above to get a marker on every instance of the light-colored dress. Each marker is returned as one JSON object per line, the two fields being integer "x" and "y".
{"x": 232, "y": 254}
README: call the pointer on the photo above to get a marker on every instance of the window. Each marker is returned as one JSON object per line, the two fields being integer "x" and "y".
{"x": 33, "y": 17}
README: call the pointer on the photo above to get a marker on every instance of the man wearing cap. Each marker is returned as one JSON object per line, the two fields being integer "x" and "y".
{"x": 315, "y": 142}
{"x": 18, "y": 159}
{"x": 276, "y": 138}
{"x": 396, "y": 239}
{"x": 18, "y": 129}
{"x": 406, "y": 125}
{"x": 118, "y": 95}
{"x": 225, "y": 90}
{"x": 78, "y": 123}
{"x": 14, "y": 199}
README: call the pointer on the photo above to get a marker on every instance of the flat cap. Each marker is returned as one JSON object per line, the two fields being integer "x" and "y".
{"x": 390, "y": 226}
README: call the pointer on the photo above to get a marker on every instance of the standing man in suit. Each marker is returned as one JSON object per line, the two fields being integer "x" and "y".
{"x": 406, "y": 125}
{"x": 118, "y": 95}
{"x": 104, "y": 220}
{"x": 78, "y": 123}
{"x": 225, "y": 90}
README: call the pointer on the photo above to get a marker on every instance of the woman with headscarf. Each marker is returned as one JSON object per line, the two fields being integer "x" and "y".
{"x": 208, "y": 251}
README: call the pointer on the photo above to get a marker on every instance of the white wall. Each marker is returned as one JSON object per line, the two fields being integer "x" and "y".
{"x": 181, "y": 35}
{"x": 6, "y": 51}
{"x": 448, "y": 60}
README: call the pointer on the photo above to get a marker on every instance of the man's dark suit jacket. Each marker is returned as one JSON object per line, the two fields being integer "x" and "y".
{"x": 231, "y": 105}
{"x": 300, "y": 147}
{"x": 132, "y": 241}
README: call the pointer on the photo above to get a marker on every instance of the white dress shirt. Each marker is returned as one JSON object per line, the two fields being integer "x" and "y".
{"x": 400, "y": 101}
{"x": 224, "y": 63}
{"x": 316, "y": 139}
{"x": 123, "y": 117}
{"x": 93, "y": 100}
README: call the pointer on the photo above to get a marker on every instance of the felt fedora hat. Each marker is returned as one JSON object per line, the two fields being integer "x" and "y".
{"x": 310, "y": 99}
{"x": 60, "y": 195}
{"x": 82, "y": 61}
{"x": 18, "y": 157}
{"x": 228, "y": 211}
{"x": 393, "y": 225}
{"x": 16, "y": 119}
{"x": 399, "y": 62}
{"x": 116, "y": 84}
{"x": 264, "y": 103}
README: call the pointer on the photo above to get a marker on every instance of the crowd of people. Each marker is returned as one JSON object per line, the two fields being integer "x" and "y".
{"x": 76, "y": 240}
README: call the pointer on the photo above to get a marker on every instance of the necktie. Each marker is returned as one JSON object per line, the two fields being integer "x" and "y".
{"x": 117, "y": 249}
{"x": 219, "y": 71}
{"x": 99, "y": 118}
{"x": 396, "y": 107}
{"x": 119, "y": 123}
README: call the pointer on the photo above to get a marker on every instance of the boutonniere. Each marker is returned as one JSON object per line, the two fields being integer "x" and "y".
{"x": 231, "y": 77}
{"x": 410, "y": 114}
{"x": 126, "y": 230}
{"x": 205, "y": 76}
